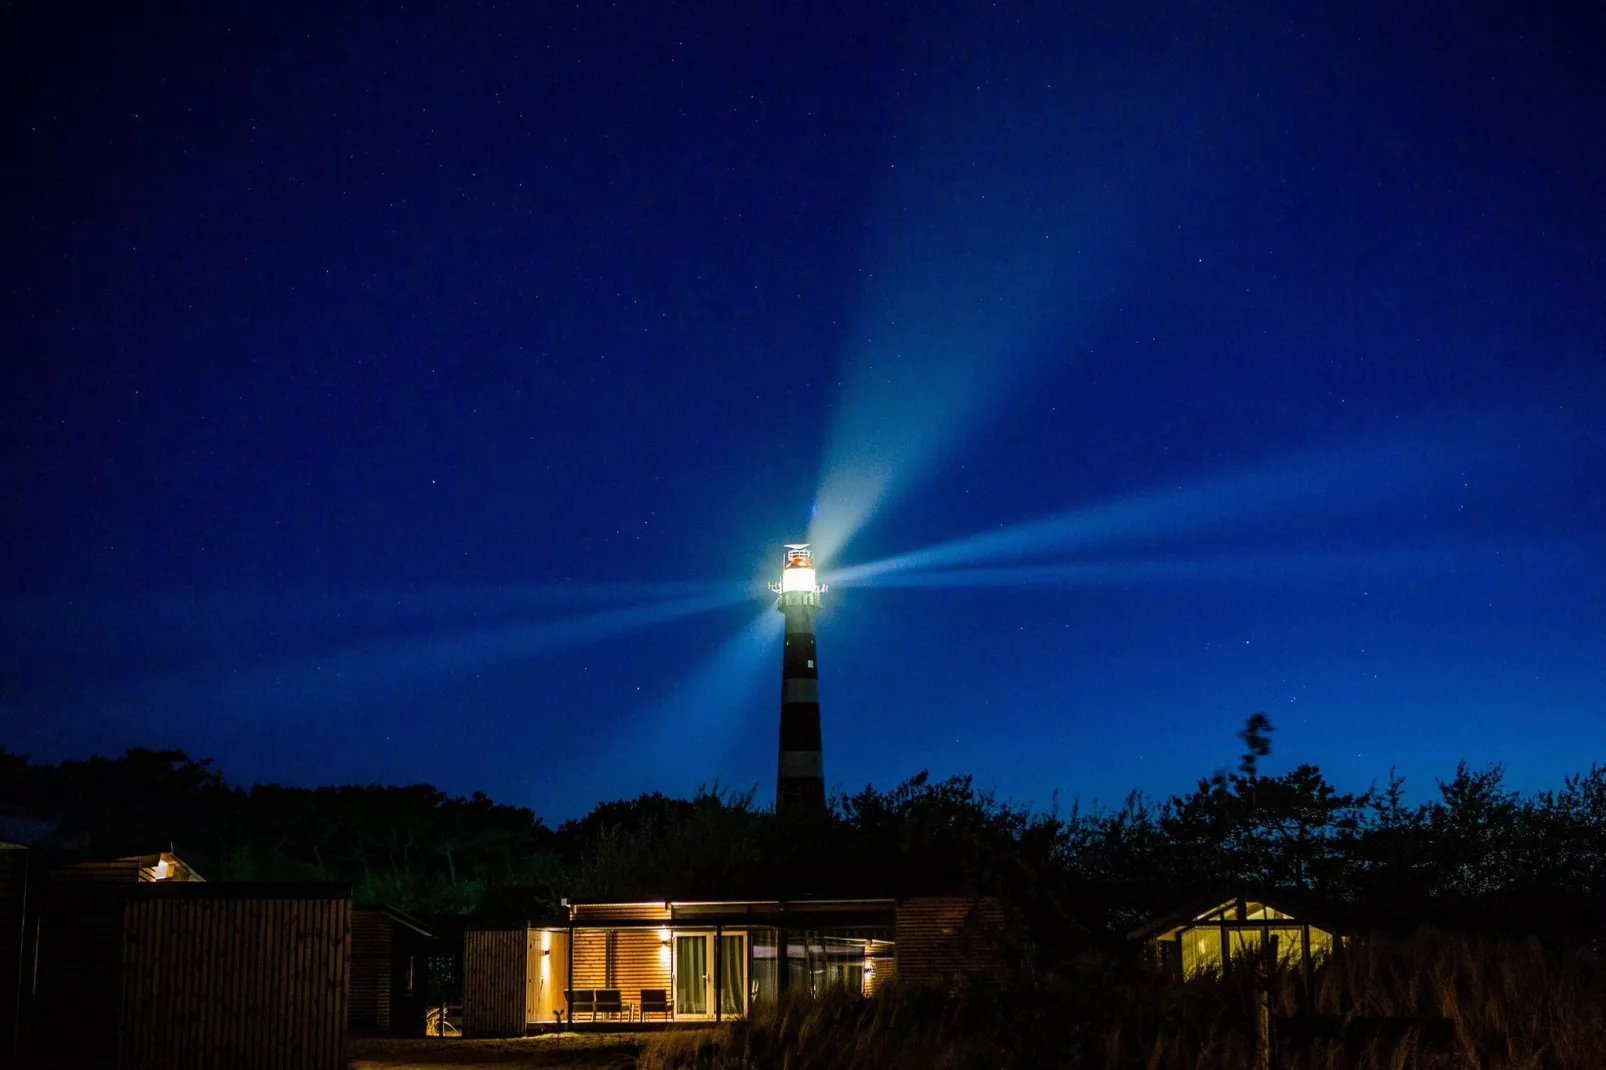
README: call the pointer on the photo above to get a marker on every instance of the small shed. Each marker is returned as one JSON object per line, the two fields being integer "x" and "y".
{"x": 159, "y": 974}
{"x": 389, "y": 967}
{"x": 1210, "y": 932}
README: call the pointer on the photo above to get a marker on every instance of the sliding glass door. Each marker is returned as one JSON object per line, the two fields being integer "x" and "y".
{"x": 691, "y": 976}
{"x": 732, "y": 975}
{"x": 695, "y": 982}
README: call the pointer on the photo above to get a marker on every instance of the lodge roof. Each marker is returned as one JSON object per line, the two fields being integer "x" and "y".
{"x": 153, "y": 866}
{"x": 1531, "y": 913}
{"x": 402, "y": 918}
{"x": 838, "y": 912}
{"x": 1300, "y": 906}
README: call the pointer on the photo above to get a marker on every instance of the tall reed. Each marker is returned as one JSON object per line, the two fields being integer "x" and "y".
{"x": 1421, "y": 1002}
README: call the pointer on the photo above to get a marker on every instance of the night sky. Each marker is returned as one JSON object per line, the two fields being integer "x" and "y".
{"x": 411, "y": 394}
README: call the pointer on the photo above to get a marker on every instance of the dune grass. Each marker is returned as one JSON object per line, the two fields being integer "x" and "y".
{"x": 1423, "y": 1001}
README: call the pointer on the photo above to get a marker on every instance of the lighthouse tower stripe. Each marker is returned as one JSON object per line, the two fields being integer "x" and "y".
{"x": 800, "y": 772}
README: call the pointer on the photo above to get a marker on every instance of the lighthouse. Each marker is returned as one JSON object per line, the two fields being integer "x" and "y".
{"x": 800, "y": 776}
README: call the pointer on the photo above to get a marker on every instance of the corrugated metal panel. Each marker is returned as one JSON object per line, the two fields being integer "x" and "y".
{"x": 938, "y": 939}
{"x": 219, "y": 982}
{"x": 494, "y": 992}
{"x": 13, "y": 929}
{"x": 372, "y": 940}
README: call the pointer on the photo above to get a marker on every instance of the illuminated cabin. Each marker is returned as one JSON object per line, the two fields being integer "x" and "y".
{"x": 1205, "y": 936}
{"x": 663, "y": 963}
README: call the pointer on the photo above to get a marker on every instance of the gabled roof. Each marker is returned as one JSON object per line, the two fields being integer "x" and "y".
{"x": 1301, "y": 908}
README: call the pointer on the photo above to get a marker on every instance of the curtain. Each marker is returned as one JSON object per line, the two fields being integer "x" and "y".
{"x": 691, "y": 975}
{"x": 732, "y": 974}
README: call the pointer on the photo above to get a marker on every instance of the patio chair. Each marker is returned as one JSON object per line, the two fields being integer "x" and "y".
{"x": 609, "y": 1001}
{"x": 582, "y": 1001}
{"x": 654, "y": 1001}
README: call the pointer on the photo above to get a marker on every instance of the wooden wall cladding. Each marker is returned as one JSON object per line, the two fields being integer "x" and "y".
{"x": 194, "y": 975}
{"x": 942, "y": 938}
{"x": 226, "y": 983}
{"x": 372, "y": 940}
{"x": 495, "y": 996}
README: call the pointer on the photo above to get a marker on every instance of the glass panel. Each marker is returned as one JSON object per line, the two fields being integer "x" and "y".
{"x": 691, "y": 975}
{"x": 1286, "y": 941}
{"x": 732, "y": 974}
{"x": 840, "y": 964}
{"x": 1201, "y": 951}
{"x": 1244, "y": 942}
{"x": 1251, "y": 942}
{"x": 764, "y": 974}
{"x": 797, "y": 961}
{"x": 1321, "y": 944}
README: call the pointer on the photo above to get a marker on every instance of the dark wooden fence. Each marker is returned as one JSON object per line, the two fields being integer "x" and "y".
{"x": 204, "y": 976}
{"x": 496, "y": 965}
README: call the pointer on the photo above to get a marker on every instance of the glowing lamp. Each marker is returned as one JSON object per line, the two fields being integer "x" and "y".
{"x": 663, "y": 937}
{"x": 161, "y": 870}
{"x": 797, "y": 579}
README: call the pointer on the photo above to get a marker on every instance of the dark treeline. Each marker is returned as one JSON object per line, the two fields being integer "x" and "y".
{"x": 1085, "y": 872}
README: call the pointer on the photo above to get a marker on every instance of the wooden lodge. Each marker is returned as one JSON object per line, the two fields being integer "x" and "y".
{"x": 663, "y": 963}
{"x": 1207, "y": 935}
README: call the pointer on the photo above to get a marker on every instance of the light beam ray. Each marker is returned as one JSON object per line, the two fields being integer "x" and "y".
{"x": 1315, "y": 566}
{"x": 689, "y": 728}
{"x": 206, "y": 619}
{"x": 381, "y": 669}
{"x": 1000, "y": 239}
{"x": 1330, "y": 483}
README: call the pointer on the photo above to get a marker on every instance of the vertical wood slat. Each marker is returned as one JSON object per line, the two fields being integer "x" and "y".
{"x": 495, "y": 993}
{"x": 234, "y": 983}
{"x": 373, "y": 962}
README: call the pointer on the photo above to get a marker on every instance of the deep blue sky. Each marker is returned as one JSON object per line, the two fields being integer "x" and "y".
{"x": 365, "y": 369}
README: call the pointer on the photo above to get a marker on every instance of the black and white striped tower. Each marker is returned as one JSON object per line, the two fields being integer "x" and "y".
{"x": 800, "y": 777}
